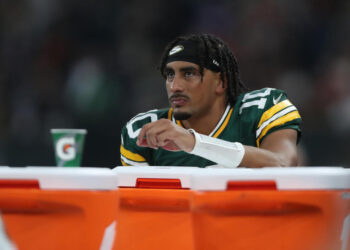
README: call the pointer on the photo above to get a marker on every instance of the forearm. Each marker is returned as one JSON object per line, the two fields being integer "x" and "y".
{"x": 234, "y": 154}
{"x": 277, "y": 149}
{"x": 227, "y": 154}
{"x": 259, "y": 157}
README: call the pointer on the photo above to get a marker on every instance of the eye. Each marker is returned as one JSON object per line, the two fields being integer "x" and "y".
{"x": 189, "y": 74}
{"x": 169, "y": 75}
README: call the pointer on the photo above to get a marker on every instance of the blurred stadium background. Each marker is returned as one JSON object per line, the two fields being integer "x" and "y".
{"x": 92, "y": 64}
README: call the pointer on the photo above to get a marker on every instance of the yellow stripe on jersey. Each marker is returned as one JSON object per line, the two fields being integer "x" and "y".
{"x": 280, "y": 121}
{"x": 179, "y": 123}
{"x": 273, "y": 110}
{"x": 170, "y": 116}
{"x": 224, "y": 124}
{"x": 124, "y": 164}
{"x": 170, "y": 113}
{"x": 130, "y": 155}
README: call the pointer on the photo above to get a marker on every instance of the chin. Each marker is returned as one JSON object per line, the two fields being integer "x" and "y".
{"x": 182, "y": 115}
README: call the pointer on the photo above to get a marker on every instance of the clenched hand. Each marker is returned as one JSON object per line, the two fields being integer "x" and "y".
{"x": 165, "y": 134}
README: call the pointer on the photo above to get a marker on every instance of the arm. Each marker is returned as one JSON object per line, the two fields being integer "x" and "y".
{"x": 277, "y": 149}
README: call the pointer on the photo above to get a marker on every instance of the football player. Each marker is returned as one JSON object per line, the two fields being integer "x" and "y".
{"x": 213, "y": 118}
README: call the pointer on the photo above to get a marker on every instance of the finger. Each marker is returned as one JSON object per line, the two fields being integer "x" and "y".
{"x": 171, "y": 146}
{"x": 157, "y": 134}
{"x": 166, "y": 141}
{"x": 164, "y": 137}
{"x": 143, "y": 142}
{"x": 161, "y": 127}
{"x": 151, "y": 137}
{"x": 148, "y": 136}
{"x": 141, "y": 138}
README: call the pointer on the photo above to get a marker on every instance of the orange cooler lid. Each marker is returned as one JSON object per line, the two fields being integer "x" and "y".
{"x": 286, "y": 178}
{"x": 59, "y": 178}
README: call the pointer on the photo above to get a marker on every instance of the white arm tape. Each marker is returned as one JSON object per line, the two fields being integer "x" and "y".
{"x": 227, "y": 154}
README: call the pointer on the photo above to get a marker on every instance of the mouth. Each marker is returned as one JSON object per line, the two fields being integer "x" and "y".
{"x": 178, "y": 100}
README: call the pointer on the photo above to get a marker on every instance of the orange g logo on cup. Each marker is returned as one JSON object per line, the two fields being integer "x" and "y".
{"x": 65, "y": 148}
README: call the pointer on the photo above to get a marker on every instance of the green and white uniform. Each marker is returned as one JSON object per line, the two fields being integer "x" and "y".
{"x": 255, "y": 115}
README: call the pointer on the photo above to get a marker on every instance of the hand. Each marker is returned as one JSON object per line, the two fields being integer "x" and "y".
{"x": 165, "y": 134}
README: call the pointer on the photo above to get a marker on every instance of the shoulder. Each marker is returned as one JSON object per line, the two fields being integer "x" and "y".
{"x": 261, "y": 98}
{"x": 268, "y": 109}
{"x": 254, "y": 103}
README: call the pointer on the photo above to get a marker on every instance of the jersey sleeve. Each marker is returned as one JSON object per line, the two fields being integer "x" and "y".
{"x": 269, "y": 110}
{"x": 130, "y": 153}
{"x": 279, "y": 113}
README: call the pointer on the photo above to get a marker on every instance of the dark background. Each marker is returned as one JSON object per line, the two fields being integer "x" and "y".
{"x": 92, "y": 64}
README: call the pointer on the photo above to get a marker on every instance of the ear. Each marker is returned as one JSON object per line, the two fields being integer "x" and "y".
{"x": 221, "y": 84}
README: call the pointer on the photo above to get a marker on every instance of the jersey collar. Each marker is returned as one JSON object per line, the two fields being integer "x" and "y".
{"x": 222, "y": 124}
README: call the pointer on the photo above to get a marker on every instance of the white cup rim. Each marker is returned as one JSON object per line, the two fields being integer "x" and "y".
{"x": 68, "y": 130}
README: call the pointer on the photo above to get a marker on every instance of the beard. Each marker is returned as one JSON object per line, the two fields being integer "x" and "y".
{"x": 182, "y": 115}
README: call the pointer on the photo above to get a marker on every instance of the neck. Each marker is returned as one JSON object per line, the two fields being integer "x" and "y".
{"x": 205, "y": 123}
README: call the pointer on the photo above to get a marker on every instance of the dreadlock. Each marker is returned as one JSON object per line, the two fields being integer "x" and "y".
{"x": 210, "y": 46}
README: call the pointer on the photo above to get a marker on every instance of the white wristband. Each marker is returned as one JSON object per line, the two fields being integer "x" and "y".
{"x": 227, "y": 154}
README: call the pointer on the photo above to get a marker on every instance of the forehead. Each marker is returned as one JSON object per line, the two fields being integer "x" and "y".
{"x": 176, "y": 65}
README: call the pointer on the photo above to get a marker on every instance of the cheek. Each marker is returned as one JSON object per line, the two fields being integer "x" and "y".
{"x": 167, "y": 87}
{"x": 199, "y": 96}
{"x": 206, "y": 96}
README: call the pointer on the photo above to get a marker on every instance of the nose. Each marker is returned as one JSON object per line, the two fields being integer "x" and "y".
{"x": 176, "y": 85}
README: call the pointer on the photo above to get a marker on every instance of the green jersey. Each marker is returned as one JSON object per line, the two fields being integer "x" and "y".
{"x": 255, "y": 115}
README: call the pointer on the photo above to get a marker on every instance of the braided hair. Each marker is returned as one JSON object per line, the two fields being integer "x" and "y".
{"x": 210, "y": 46}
